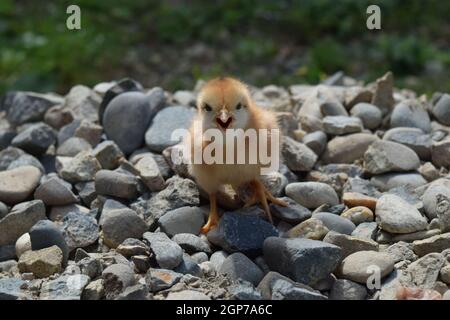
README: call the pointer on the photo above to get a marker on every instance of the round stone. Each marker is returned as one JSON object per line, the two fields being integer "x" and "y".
{"x": 359, "y": 266}
{"x": 17, "y": 184}
{"x": 126, "y": 118}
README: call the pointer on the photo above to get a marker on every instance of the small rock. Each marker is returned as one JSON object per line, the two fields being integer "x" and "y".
{"x": 312, "y": 194}
{"x": 23, "y": 107}
{"x": 81, "y": 230}
{"x": 45, "y": 234}
{"x": 90, "y": 132}
{"x": 12, "y": 289}
{"x": 355, "y": 199}
{"x": 178, "y": 193}
{"x": 150, "y": 174}
{"x": 387, "y": 181}
{"x": 91, "y": 267}
{"x": 313, "y": 229}
{"x": 441, "y": 110}
{"x": 26, "y": 160}
{"x": 297, "y": 156}
{"x": 115, "y": 89}
{"x": 358, "y": 215}
{"x": 68, "y": 131}
{"x": 277, "y": 287}
{"x": 344, "y": 289}
{"x": 413, "y": 138}
{"x": 72, "y": 146}
{"x": 294, "y": 213}
{"x": 335, "y": 222}
{"x": 141, "y": 263}
{"x": 158, "y": 135}
{"x": 108, "y": 154}
{"x": 117, "y": 277}
{"x": 306, "y": 261}
{"x": 244, "y": 290}
{"x": 424, "y": 272}
{"x": 437, "y": 243}
{"x": 126, "y": 118}
{"x": 136, "y": 292}
{"x": 243, "y": 233}
{"x": 347, "y": 149}
{"x": 182, "y": 220}
{"x": 383, "y": 97}
{"x": 386, "y": 156}
{"x": 189, "y": 266}
{"x": 339, "y": 125}
{"x": 395, "y": 215}
{"x": 55, "y": 192}
{"x": 349, "y": 244}
{"x": 111, "y": 183}
{"x": 20, "y": 220}
{"x": 187, "y": 295}
{"x": 361, "y": 186}
{"x": 217, "y": 258}
{"x": 94, "y": 290}
{"x": 191, "y": 243}
{"x": 401, "y": 251}
{"x": 57, "y": 213}
{"x": 440, "y": 153}
{"x": 316, "y": 141}
{"x": 445, "y": 274}
{"x": 42, "y": 263}
{"x": 168, "y": 254}
{"x": 429, "y": 171}
{"x": 82, "y": 167}
{"x": 86, "y": 191}
{"x": 67, "y": 287}
{"x": 132, "y": 247}
{"x": 17, "y": 184}
{"x": 83, "y": 102}
{"x": 410, "y": 113}
{"x": 365, "y": 230}
{"x": 122, "y": 224}
{"x": 238, "y": 266}
{"x": 430, "y": 199}
{"x": 161, "y": 279}
{"x": 7, "y": 252}
{"x": 358, "y": 266}
{"x": 35, "y": 139}
{"x": 369, "y": 114}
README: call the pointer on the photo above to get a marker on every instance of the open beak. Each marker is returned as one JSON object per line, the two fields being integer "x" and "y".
{"x": 224, "y": 119}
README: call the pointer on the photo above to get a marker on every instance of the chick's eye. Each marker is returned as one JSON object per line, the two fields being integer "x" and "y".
{"x": 239, "y": 106}
{"x": 207, "y": 108}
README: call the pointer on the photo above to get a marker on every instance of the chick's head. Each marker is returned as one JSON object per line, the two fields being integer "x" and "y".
{"x": 224, "y": 103}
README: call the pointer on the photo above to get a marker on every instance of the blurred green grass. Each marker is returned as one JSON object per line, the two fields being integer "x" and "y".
{"x": 172, "y": 43}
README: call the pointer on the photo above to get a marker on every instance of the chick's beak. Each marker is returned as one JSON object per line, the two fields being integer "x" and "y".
{"x": 223, "y": 115}
{"x": 224, "y": 119}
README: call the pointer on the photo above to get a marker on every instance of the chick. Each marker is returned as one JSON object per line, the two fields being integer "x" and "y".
{"x": 225, "y": 103}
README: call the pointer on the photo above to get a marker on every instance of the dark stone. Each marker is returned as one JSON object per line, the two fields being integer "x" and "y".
{"x": 245, "y": 234}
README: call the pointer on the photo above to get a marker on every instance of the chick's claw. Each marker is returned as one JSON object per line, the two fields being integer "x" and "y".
{"x": 208, "y": 226}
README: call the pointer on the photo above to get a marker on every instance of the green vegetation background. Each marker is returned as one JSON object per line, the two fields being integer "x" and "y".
{"x": 172, "y": 43}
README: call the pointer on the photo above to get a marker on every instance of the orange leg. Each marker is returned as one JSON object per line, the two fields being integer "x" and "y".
{"x": 263, "y": 195}
{"x": 213, "y": 215}
{"x": 272, "y": 199}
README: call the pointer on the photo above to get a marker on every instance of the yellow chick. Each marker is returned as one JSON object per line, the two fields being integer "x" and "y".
{"x": 225, "y": 103}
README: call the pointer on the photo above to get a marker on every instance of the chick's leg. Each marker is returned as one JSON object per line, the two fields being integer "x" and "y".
{"x": 274, "y": 200}
{"x": 213, "y": 215}
{"x": 260, "y": 191}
